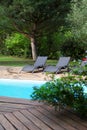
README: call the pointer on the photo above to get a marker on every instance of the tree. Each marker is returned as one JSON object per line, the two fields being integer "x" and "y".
{"x": 2, "y": 44}
{"x": 33, "y": 18}
{"x": 77, "y": 18}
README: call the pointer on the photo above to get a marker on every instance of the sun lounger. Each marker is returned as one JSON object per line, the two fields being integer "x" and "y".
{"x": 62, "y": 64}
{"x": 39, "y": 63}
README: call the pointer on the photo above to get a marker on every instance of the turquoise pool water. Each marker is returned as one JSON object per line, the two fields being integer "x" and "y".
{"x": 18, "y": 88}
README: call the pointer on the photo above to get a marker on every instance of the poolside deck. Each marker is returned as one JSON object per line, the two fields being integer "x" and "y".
{"x": 18, "y": 114}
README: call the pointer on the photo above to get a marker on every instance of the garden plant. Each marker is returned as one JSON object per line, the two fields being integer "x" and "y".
{"x": 65, "y": 92}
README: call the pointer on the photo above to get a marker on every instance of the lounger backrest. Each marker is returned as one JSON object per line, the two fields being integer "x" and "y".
{"x": 63, "y": 62}
{"x": 40, "y": 61}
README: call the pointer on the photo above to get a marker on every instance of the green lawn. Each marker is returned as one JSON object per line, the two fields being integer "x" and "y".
{"x": 14, "y": 61}
{"x": 17, "y": 61}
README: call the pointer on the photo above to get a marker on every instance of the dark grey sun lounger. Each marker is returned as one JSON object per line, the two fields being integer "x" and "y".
{"x": 39, "y": 63}
{"x": 62, "y": 64}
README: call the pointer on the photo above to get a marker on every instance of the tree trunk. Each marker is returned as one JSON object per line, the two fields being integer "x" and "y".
{"x": 33, "y": 47}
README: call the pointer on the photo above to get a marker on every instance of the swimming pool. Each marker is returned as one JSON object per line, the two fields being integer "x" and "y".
{"x": 18, "y": 88}
{"x": 21, "y": 88}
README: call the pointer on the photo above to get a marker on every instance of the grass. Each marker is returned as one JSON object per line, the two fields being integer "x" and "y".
{"x": 14, "y": 61}
{"x": 18, "y": 61}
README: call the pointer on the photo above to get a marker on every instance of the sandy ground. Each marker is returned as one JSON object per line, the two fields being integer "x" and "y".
{"x": 7, "y": 72}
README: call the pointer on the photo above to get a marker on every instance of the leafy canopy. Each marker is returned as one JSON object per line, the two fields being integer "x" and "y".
{"x": 78, "y": 20}
{"x": 29, "y": 16}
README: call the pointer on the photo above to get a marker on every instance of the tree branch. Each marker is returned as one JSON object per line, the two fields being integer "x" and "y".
{"x": 22, "y": 32}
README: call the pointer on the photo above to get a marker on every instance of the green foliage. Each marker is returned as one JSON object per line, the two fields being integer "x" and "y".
{"x": 2, "y": 44}
{"x": 77, "y": 20}
{"x": 79, "y": 70}
{"x": 54, "y": 46}
{"x": 63, "y": 42}
{"x": 33, "y": 18}
{"x": 17, "y": 44}
{"x": 65, "y": 92}
{"x": 73, "y": 48}
{"x": 29, "y": 16}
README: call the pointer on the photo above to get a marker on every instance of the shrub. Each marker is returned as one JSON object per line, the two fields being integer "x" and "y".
{"x": 79, "y": 70}
{"x": 64, "y": 92}
{"x": 17, "y": 45}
